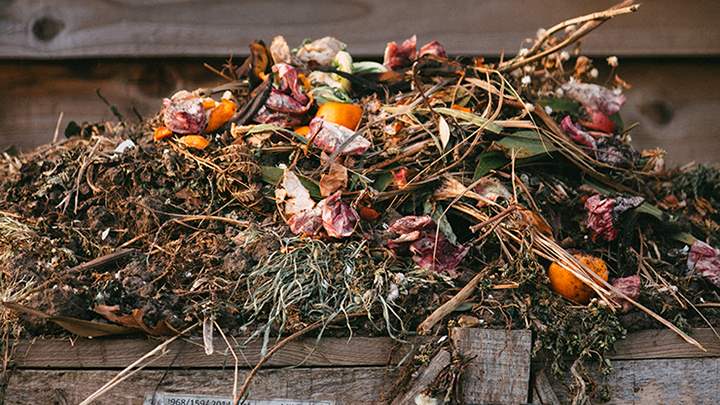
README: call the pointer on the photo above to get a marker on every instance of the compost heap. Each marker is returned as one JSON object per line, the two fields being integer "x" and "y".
{"x": 308, "y": 187}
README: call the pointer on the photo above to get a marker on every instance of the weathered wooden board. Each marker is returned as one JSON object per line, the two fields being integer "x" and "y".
{"x": 346, "y": 386}
{"x": 664, "y": 344}
{"x": 77, "y": 28}
{"x": 425, "y": 378}
{"x": 661, "y": 381}
{"x": 500, "y": 370}
{"x": 118, "y": 353}
{"x": 674, "y": 101}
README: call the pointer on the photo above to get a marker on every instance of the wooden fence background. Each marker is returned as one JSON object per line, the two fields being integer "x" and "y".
{"x": 55, "y": 54}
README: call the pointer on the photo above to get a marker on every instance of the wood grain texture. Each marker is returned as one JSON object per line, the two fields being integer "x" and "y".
{"x": 118, "y": 353}
{"x": 425, "y": 378}
{"x": 77, "y": 28}
{"x": 674, "y": 101}
{"x": 499, "y": 373}
{"x": 664, "y": 344}
{"x": 661, "y": 381}
{"x": 346, "y": 386}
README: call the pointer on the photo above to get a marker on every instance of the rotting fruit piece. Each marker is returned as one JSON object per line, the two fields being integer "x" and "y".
{"x": 161, "y": 133}
{"x": 345, "y": 114}
{"x": 220, "y": 115}
{"x": 194, "y": 141}
{"x": 564, "y": 282}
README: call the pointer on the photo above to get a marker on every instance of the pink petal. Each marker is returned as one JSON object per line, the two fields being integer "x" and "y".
{"x": 338, "y": 218}
{"x": 402, "y": 55}
{"x": 307, "y": 223}
{"x": 281, "y": 102}
{"x": 630, "y": 286}
{"x": 600, "y": 217}
{"x": 576, "y": 134}
{"x": 329, "y": 137}
{"x": 289, "y": 82}
{"x": 447, "y": 256}
{"x": 184, "y": 113}
{"x": 411, "y": 223}
{"x": 265, "y": 116}
{"x": 703, "y": 259}
{"x": 433, "y": 48}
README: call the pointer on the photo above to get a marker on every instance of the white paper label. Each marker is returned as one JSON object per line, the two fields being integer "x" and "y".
{"x": 168, "y": 398}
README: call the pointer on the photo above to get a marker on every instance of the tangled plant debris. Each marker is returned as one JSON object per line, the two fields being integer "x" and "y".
{"x": 308, "y": 188}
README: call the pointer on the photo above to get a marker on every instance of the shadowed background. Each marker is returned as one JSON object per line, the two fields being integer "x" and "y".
{"x": 55, "y": 54}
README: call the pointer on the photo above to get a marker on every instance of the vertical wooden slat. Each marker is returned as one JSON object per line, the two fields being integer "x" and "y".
{"x": 500, "y": 370}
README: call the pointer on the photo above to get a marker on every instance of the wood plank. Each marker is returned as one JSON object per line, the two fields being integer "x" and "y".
{"x": 346, "y": 386}
{"x": 674, "y": 101}
{"x": 661, "y": 381}
{"x": 118, "y": 353}
{"x": 543, "y": 392}
{"x": 426, "y": 377}
{"x": 77, "y": 28}
{"x": 665, "y": 344}
{"x": 499, "y": 373}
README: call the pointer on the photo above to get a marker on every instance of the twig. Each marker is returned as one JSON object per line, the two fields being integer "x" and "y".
{"x": 596, "y": 19}
{"x": 452, "y": 303}
{"x": 56, "y": 134}
{"x": 281, "y": 344}
{"x": 126, "y": 372}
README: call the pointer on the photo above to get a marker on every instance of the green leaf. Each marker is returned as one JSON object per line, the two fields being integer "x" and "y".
{"x": 273, "y": 175}
{"x": 563, "y": 105}
{"x": 368, "y": 67}
{"x": 323, "y": 94}
{"x": 469, "y": 117}
{"x": 525, "y": 143}
{"x": 618, "y": 121}
{"x": 382, "y": 181}
{"x": 488, "y": 161}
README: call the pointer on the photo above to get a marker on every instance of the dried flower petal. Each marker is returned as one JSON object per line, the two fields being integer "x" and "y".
{"x": 334, "y": 180}
{"x": 307, "y": 223}
{"x": 265, "y": 116}
{"x": 338, "y": 218}
{"x": 330, "y": 137}
{"x": 594, "y": 97}
{"x": 419, "y": 231}
{"x": 630, "y": 286}
{"x": 600, "y": 217}
{"x": 279, "y": 50}
{"x": 289, "y": 82}
{"x": 433, "y": 48}
{"x": 398, "y": 56}
{"x": 281, "y": 102}
{"x": 184, "y": 113}
{"x": 623, "y": 204}
{"x": 410, "y": 223}
{"x": 576, "y": 134}
{"x": 321, "y": 51}
{"x": 447, "y": 256}
{"x": 297, "y": 198}
{"x": 704, "y": 260}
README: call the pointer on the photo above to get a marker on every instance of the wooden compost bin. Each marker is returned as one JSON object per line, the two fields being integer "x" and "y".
{"x": 650, "y": 367}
